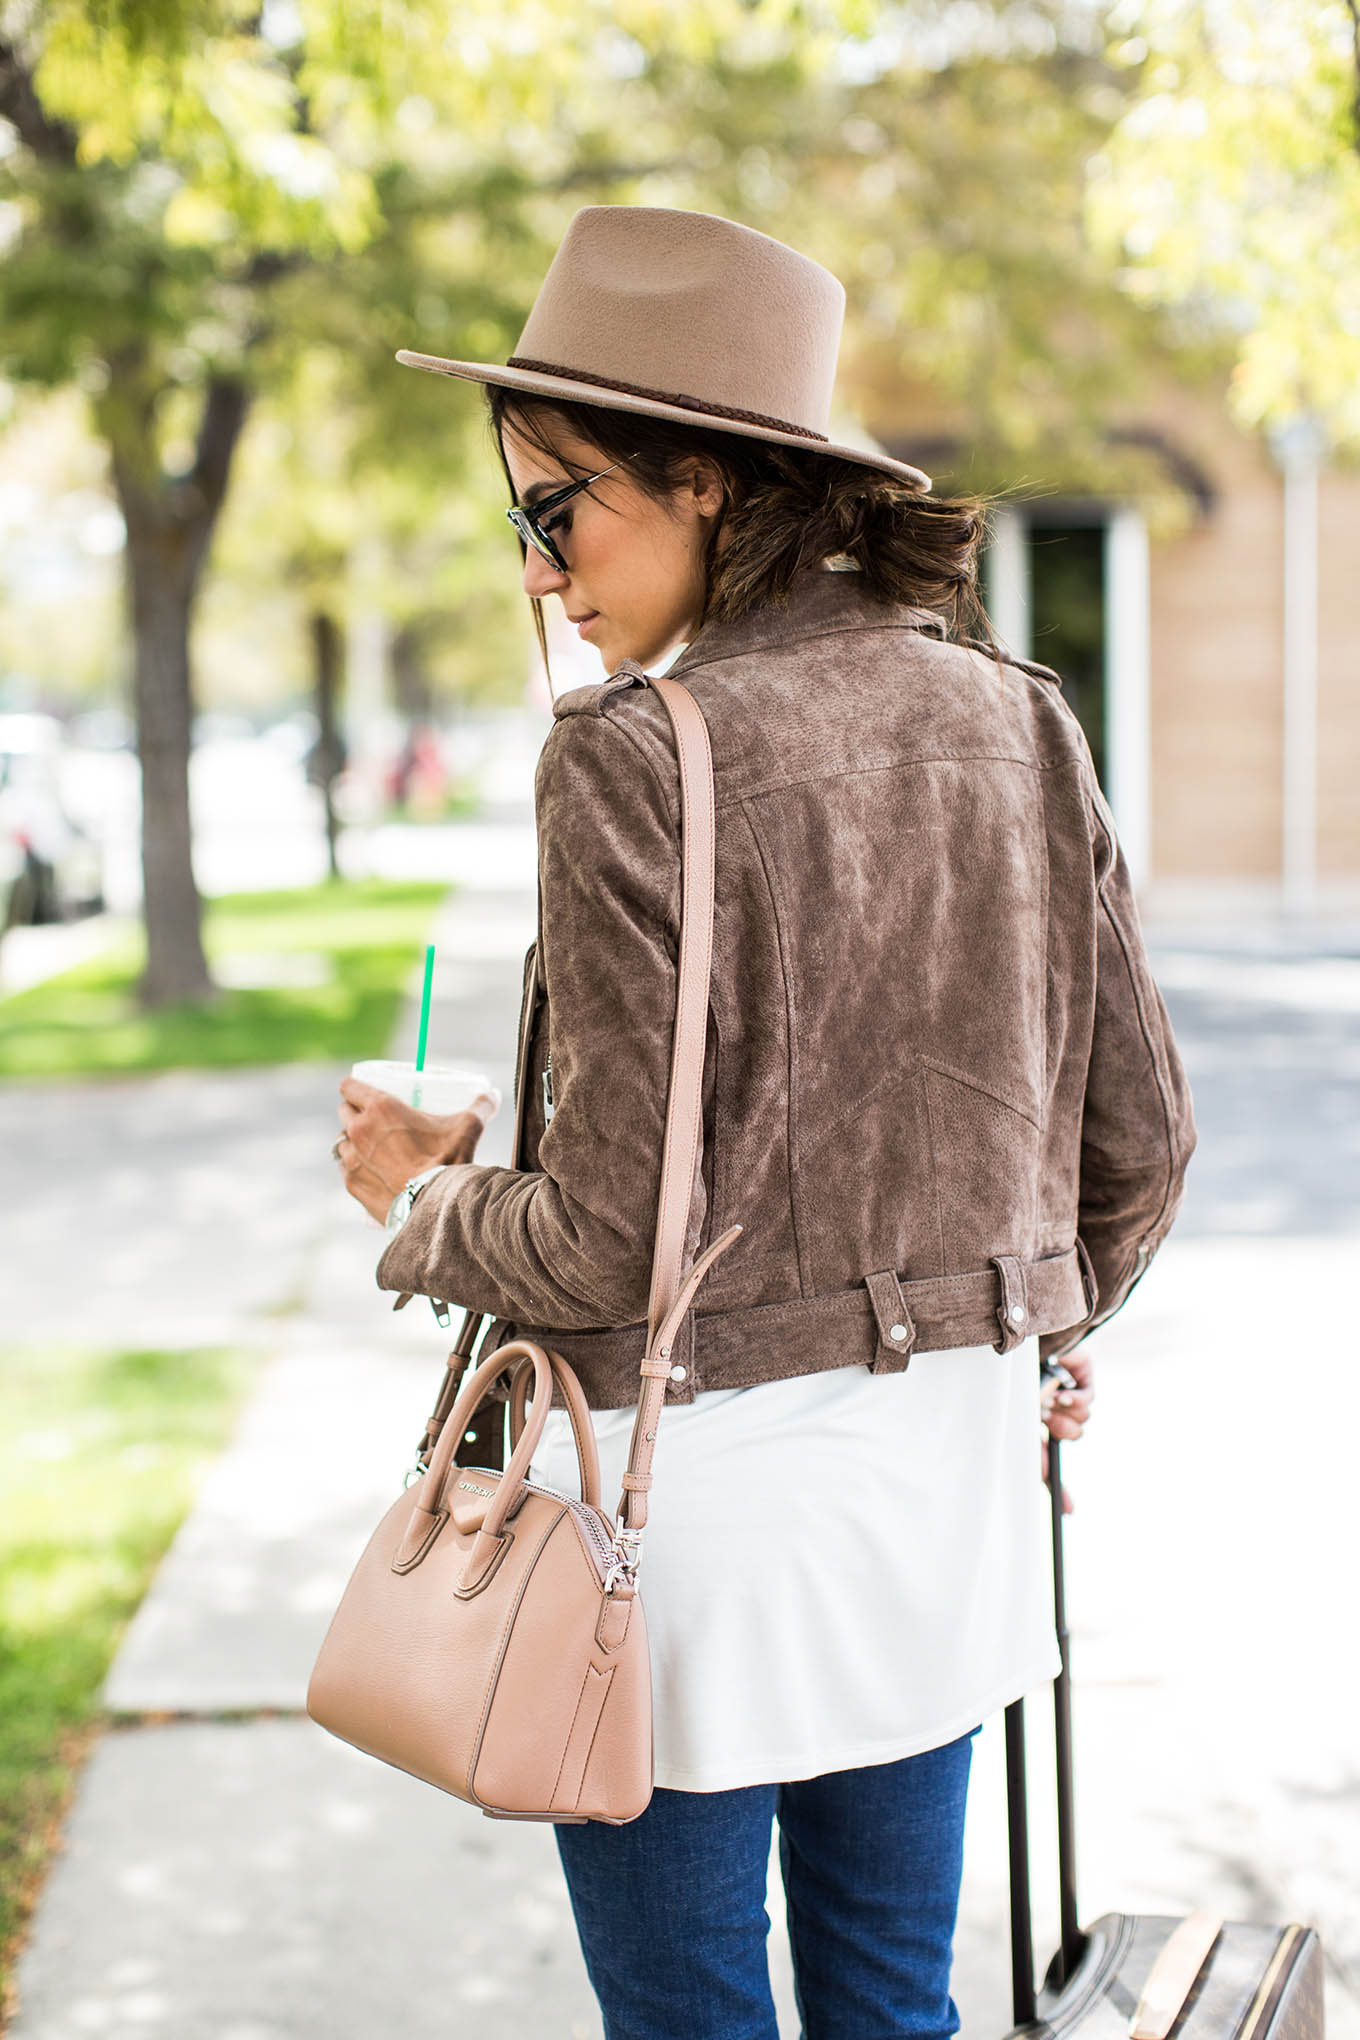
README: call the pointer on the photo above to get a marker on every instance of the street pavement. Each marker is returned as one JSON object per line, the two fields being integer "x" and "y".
{"x": 231, "y": 1872}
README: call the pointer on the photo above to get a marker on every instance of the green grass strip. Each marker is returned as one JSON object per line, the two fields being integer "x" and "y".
{"x": 329, "y": 966}
{"x": 101, "y": 1454}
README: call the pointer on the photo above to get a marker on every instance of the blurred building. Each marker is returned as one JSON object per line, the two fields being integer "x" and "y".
{"x": 1217, "y": 673}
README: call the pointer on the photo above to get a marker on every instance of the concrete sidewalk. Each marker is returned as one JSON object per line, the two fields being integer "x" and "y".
{"x": 253, "y": 1878}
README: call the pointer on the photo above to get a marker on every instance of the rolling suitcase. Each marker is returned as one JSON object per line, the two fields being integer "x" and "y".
{"x": 1141, "y": 1976}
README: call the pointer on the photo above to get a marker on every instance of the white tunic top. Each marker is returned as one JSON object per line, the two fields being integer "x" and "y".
{"x": 840, "y": 1568}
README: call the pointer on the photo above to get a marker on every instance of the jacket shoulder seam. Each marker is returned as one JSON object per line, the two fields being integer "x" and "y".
{"x": 589, "y": 698}
{"x": 1032, "y": 666}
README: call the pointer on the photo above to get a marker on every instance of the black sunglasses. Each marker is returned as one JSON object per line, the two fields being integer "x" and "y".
{"x": 528, "y": 519}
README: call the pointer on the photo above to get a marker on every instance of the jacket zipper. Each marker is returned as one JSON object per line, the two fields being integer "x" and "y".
{"x": 527, "y": 1012}
{"x": 547, "y": 1089}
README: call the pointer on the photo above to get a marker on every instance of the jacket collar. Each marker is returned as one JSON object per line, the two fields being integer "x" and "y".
{"x": 820, "y": 599}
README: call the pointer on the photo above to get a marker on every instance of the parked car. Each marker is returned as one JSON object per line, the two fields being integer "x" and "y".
{"x": 51, "y": 869}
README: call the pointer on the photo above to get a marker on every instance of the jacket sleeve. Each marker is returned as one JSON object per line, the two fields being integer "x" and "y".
{"x": 1138, "y": 1129}
{"x": 568, "y": 1245}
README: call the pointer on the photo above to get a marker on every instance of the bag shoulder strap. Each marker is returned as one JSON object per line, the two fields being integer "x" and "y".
{"x": 672, "y": 1289}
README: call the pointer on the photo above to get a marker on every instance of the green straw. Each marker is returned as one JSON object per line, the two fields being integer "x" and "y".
{"x": 424, "y": 1016}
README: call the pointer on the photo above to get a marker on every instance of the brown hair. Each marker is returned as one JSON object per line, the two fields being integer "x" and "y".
{"x": 784, "y": 509}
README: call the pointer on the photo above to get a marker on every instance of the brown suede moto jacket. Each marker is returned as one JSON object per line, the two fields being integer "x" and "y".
{"x": 941, "y": 1092}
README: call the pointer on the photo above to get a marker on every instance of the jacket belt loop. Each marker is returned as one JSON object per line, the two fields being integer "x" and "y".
{"x": 1012, "y": 1313}
{"x": 896, "y": 1329}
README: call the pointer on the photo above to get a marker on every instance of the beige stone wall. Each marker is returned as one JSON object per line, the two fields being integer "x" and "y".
{"x": 1216, "y": 595}
{"x": 1339, "y": 676}
{"x": 1217, "y": 601}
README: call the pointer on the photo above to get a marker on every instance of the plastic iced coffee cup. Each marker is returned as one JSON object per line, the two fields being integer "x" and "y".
{"x": 439, "y": 1087}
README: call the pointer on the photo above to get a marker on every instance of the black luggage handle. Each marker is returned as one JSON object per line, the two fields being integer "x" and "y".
{"x": 1022, "y": 1931}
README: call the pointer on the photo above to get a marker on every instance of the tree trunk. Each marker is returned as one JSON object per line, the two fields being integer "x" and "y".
{"x": 170, "y": 521}
{"x": 161, "y": 600}
{"x": 328, "y": 757}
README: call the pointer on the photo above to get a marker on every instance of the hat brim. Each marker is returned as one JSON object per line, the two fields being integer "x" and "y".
{"x": 570, "y": 391}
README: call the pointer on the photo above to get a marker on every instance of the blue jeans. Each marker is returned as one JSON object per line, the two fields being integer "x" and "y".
{"x": 670, "y": 1908}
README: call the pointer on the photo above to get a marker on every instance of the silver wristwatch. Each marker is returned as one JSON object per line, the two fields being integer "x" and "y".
{"x": 399, "y": 1210}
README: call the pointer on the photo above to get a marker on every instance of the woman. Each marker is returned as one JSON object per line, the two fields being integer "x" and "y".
{"x": 941, "y": 1096}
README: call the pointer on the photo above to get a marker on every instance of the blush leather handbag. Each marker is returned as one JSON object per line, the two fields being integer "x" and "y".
{"x": 491, "y": 1639}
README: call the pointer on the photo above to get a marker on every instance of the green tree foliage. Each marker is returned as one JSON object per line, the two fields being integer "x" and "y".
{"x": 941, "y": 174}
{"x": 193, "y": 187}
{"x": 1229, "y": 191}
{"x": 216, "y": 211}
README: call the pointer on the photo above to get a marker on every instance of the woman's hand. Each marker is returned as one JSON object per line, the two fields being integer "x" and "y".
{"x": 1065, "y": 1410}
{"x": 384, "y": 1142}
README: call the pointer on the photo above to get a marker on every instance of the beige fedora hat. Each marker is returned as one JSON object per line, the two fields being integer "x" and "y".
{"x": 684, "y": 315}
